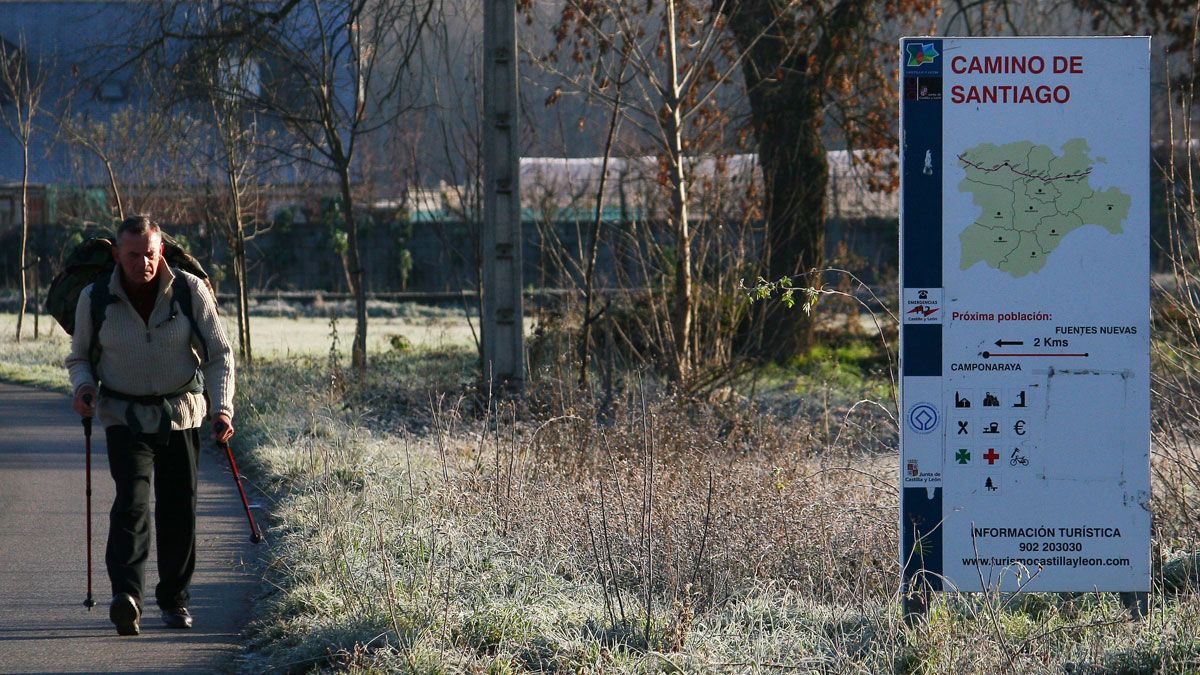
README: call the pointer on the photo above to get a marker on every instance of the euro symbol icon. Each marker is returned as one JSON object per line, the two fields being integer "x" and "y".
{"x": 1019, "y": 427}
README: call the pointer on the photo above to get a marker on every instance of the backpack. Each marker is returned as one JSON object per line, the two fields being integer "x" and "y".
{"x": 92, "y": 262}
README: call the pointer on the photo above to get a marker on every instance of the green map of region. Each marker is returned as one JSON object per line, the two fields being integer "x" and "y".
{"x": 1030, "y": 199}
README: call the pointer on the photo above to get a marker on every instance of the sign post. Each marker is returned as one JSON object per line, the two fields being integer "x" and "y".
{"x": 1025, "y": 338}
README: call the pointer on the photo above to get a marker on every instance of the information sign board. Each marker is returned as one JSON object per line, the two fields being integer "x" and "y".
{"x": 1025, "y": 337}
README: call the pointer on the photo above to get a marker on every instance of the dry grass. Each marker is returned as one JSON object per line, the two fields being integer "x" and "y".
{"x": 638, "y": 536}
{"x": 691, "y": 499}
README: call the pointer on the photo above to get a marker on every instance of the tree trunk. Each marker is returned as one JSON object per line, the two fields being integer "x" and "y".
{"x": 24, "y": 239}
{"x": 239, "y": 264}
{"x": 37, "y": 285}
{"x": 359, "y": 351}
{"x": 589, "y": 276}
{"x": 681, "y": 306}
{"x": 112, "y": 182}
{"x": 796, "y": 171}
{"x": 243, "y": 296}
{"x": 238, "y": 274}
{"x": 786, "y": 113}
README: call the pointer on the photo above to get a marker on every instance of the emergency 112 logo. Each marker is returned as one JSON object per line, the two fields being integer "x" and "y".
{"x": 922, "y": 305}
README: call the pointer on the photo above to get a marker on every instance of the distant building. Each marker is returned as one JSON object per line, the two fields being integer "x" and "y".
{"x": 84, "y": 52}
{"x": 64, "y": 43}
{"x": 560, "y": 193}
{"x": 556, "y": 188}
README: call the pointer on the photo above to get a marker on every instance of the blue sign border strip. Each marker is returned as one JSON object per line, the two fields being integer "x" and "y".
{"x": 920, "y": 267}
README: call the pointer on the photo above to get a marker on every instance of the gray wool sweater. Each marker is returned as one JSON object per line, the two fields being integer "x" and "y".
{"x": 155, "y": 357}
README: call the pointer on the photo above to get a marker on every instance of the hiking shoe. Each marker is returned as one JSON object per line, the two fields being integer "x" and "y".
{"x": 177, "y": 618}
{"x": 125, "y": 613}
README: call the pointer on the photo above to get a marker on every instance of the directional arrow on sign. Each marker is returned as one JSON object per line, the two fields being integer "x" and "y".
{"x": 988, "y": 355}
{"x": 1006, "y": 343}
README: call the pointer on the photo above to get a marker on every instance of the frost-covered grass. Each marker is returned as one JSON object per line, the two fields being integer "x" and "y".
{"x": 39, "y": 362}
{"x": 282, "y": 337}
{"x": 674, "y": 536}
{"x": 289, "y": 333}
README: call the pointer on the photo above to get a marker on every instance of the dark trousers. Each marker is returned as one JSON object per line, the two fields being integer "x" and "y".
{"x": 134, "y": 459}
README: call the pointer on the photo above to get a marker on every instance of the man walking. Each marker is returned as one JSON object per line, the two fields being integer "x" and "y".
{"x": 153, "y": 357}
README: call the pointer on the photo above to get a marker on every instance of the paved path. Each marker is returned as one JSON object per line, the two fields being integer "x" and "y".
{"x": 44, "y": 626}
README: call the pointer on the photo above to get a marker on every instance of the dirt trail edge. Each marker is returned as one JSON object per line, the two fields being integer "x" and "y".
{"x": 44, "y": 626}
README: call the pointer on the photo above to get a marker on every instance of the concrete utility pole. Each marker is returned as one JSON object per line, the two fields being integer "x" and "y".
{"x": 503, "y": 338}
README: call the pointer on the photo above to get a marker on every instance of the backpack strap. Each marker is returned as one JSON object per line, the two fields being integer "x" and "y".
{"x": 101, "y": 299}
{"x": 181, "y": 291}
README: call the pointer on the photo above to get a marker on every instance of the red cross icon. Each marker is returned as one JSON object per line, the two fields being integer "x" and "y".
{"x": 991, "y": 455}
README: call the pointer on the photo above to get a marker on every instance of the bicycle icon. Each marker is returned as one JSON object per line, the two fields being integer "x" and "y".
{"x": 1018, "y": 458}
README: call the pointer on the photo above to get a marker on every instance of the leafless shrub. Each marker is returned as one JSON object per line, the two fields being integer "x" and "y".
{"x": 1176, "y": 384}
{"x": 688, "y": 501}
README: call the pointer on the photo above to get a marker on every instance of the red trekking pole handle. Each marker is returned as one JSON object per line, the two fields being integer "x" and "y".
{"x": 255, "y": 535}
{"x": 88, "y": 602}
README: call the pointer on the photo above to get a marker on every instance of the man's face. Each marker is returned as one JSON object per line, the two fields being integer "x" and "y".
{"x": 139, "y": 256}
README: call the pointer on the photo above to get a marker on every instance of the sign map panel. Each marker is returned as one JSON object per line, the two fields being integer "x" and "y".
{"x": 1025, "y": 337}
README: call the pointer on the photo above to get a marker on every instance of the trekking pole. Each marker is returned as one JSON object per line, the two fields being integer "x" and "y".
{"x": 255, "y": 535}
{"x": 89, "y": 602}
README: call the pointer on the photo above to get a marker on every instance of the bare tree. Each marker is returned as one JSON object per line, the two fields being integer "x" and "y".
{"x": 452, "y": 62}
{"x": 333, "y": 71}
{"x": 22, "y": 86}
{"x": 143, "y": 153}
{"x": 593, "y": 242}
{"x": 95, "y": 137}
{"x": 671, "y": 63}
{"x": 222, "y": 82}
